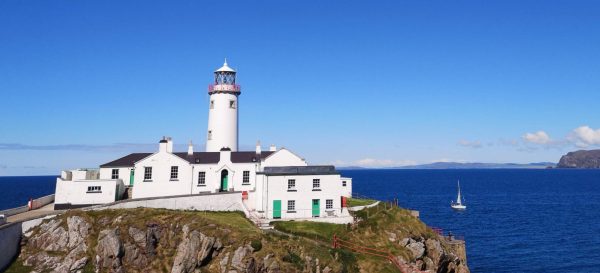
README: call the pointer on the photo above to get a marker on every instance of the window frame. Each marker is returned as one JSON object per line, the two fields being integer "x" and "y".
{"x": 94, "y": 189}
{"x": 293, "y": 184}
{"x": 147, "y": 174}
{"x": 201, "y": 179}
{"x": 174, "y": 176}
{"x": 291, "y": 206}
{"x": 246, "y": 178}
{"x": 328, "y": 203}
{"x": 344, "y": 183}
{"x": 114, "y": 174}
{"x": 317, "y": 182}
{"x": 232, "y": 104}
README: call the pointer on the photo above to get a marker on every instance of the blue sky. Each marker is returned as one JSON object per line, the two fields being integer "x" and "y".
{"x": 371, "y": 83}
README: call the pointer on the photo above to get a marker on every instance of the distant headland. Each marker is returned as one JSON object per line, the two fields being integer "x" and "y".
{"x": 582, "y": 159}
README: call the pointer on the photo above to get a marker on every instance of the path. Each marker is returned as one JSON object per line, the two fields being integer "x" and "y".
{"x": 41, "y": 212}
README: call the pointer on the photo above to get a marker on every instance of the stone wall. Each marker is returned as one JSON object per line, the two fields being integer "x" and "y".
{"x": 10, "y": 236}
{"x": 228, "y": 201}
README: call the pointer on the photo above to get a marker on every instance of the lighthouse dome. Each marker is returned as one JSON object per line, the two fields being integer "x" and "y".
{"x": 225, "y": 68}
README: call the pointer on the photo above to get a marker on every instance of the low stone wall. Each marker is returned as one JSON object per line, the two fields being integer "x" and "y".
{"x": 10, "y": 237}
{"x": 226, "y": 201}
{"x": 38, "y": 203}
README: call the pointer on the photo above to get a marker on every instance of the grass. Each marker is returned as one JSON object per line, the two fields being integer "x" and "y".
{"x": 313, "y": 230}
{"x": 18, "y": 267}
{"x": 355, "y": 202}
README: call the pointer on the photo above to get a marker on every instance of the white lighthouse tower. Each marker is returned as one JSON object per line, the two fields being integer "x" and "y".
{"x": 223, "y": 111}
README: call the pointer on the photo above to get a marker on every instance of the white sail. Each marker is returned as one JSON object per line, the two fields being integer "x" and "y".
{"x": 458, "y": 199}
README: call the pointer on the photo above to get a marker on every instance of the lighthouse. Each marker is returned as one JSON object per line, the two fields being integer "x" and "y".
{"x": 223, "y": 111}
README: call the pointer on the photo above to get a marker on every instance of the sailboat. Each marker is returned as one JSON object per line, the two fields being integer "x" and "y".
{"x": 458, "y": 205}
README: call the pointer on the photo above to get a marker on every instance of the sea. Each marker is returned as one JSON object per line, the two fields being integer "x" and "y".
{"x": 517, "y": 220}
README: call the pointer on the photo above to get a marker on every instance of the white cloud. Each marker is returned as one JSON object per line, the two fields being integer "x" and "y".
{"x": 476, "y": 144}
{"x": 539, "y": 137}
{"x": 584, "y": 136}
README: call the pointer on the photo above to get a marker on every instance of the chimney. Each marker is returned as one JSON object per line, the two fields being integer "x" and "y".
{"x": 258, "y": 150}
{"x": 191, "y": 148}
{"x": 162, "y": 145}
{"x": 273, "y": 148}
{"x": 169, "y": 145}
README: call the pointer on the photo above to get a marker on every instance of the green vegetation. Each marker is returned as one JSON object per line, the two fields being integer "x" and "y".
{"x": 355, "y": 202}
{"x": 313, "y": 230}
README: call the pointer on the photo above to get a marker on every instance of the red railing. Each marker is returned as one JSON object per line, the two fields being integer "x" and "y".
{"x": 450, "y": 236}
{"x": 338, "y": 243}
{"x": 224, "y": 87}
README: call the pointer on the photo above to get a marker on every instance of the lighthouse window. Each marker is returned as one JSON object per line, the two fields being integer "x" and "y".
{"x": 232, "y": 104}
{"x": 115, "y": 174}
{"x": 212, "y": 104}
{"x": 147, "y": 174}
{"x": 174, "y": 172}
{"x": 246, "y": 177}
{"x": 209, "y": 135}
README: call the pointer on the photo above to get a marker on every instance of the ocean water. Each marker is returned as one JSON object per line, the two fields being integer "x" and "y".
{"x": 516, "y": 220}
{"x": 15, "y": 191}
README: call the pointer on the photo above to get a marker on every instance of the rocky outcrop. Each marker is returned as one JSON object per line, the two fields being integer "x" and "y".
{"x": 580, "y": 159}
{"x": 429, "y": 254}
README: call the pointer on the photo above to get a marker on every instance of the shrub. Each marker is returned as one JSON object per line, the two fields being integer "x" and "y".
{"x": 256, "y": 245}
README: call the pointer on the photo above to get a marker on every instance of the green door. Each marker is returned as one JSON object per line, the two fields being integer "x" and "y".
{"x": 316, "y": 208}
{"x": 131, "y": 178}
{"x": 276, "y": 209}
{"x": 224, "y": 179}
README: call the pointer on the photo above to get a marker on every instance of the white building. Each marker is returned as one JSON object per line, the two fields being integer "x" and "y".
{"x": 274, "y": 184}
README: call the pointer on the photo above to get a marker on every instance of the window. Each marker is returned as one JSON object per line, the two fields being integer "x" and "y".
{"x": 212, "y": 104}
{"x": 232, "y": 104}
{"x": 174, "y": 172}
{"x": 209, "y": 134}
{"x": 115, "y": 174}
{"x": 329, "y": 204}
{"x": 201, "y": 179}
{"x": 147, "y": 173}
{"x": 291, "y": 184}
{"x": 94, "y": 189}
{"x": 291, "y": 206}
{"x": 316, "y": 184}
{"x": 344, "y": 183}
{"x": 246, "y": 177}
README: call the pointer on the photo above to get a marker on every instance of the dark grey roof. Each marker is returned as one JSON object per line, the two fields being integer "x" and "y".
{"x": 247, "y": 157}
{"x": 299, "y": 170}
{"x": 196, "y": 158}
{"x": 201, "y": 157}
{"x": 126, "y": 161}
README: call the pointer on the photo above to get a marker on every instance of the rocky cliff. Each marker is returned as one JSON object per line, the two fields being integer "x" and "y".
{"x": 582, "y": 159}
{"x": 151, "y": 240}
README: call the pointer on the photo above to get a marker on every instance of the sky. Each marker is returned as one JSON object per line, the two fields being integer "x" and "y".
{"x": 350, "y": 83}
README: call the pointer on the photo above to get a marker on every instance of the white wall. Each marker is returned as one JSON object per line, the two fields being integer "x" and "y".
{"x": 209, "y": 202}
{"x": 283, "y": 157}
{"x": 331, "y": 188}
{"x": 75, "y": 192}
{"x": 124, "y": 174}
{"x": 347, "y": 191}
{"x": 223, "y": 122}
{"x": 161, "y": 183}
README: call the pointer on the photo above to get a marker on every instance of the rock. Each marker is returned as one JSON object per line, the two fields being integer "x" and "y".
{"x": 78, "y": 231}
{"x": 581, "y": 159}
{"x": 195, "y": 250}
{"x": 429, "y": 264}
{"x": 152, "y": 238}
{"x": 326, "y": 270}
{"x": 392, "y": 237}
{"x": 79, "y": 264}
{"x": 240, "y": 253}
{"x": 224, "y": 262}
{"x": 51, "y": 237}
{"x": 109, "y": 250}
{"x": 417, "y": 249}
{"x": 138, "y": 236}
{"x": 134, "y": 255}
{"x": 434, "y": 250}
